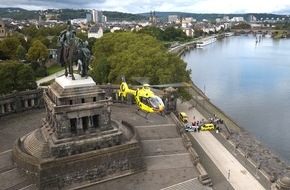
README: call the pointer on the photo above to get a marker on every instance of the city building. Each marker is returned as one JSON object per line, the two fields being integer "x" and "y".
{"x": 97, "y": 16}
{"x": 152, "y": 18}
{"x": 95, "y": 31}
{"x": 173, "y": 18}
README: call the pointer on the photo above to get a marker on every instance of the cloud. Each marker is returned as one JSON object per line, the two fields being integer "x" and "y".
{"x": 136, "y": 6}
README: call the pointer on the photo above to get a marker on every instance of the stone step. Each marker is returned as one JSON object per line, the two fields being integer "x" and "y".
{"x": 27, "y": 185}
{"x": 33, "y": 145}
{"x": 11, "y": 178}
{"x": 163, "y": 147}
{"x": 6, "y": 168}
{"x": 155, "y": 132}
{"x": 30, "y": 186}
{"x": 172, "y": 161}
{"x": 188, "y": 185}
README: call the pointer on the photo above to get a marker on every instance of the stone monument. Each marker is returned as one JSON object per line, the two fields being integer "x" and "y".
{"x": 78, "y": 141}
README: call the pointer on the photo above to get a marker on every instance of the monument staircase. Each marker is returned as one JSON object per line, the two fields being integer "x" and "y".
{"x": 35, "y": 145}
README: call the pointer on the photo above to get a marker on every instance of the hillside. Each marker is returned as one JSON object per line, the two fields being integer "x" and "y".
{"x": 213, "y": 16}
{"x": 65, "y": 14}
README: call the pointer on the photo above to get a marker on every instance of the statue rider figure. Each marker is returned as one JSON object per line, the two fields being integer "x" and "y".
{"x": 73, "y": 50}
{"x": 84, "y": 59}
{"x": 65, "y": 40}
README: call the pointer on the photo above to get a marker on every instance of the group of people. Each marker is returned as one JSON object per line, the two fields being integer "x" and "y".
{"x": 196, "y": 125}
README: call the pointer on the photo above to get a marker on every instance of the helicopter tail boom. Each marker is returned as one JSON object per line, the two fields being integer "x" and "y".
{"x": 124, "y": 90}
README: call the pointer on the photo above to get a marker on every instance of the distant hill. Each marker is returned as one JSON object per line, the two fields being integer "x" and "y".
{"x": 18, "y": 13}
{"x": 65, "y": 14}
{"x": 213, "y": 16}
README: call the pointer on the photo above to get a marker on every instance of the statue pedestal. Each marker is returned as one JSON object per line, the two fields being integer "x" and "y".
{"x": 67, "y": 82}
{"x": 78, "y": 142}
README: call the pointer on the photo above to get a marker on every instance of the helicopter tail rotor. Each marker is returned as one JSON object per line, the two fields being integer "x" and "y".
{"x": 123, "y": 88}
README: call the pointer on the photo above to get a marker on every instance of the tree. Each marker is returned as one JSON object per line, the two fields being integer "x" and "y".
{"x": 135, "y": 55}
{"x": 169, "y": 34}
{"x": 30, "y": 31}
{"x": 16, "y": 76}
{"x": 173, "y": 34}
{"x": 153, "y": 31}
{"x": 37, "y": 52}
{"x": 20, "y": 52}
{"x": 39, "y": 70}
{"x": 8, "y": 47}
{"x": 241, "y": 25}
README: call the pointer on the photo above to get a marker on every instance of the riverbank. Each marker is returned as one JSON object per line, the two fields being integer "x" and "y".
{"x": 253, "y": 154}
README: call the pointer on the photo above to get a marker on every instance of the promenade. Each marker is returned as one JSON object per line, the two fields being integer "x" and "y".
{"x": 236, "y": 174}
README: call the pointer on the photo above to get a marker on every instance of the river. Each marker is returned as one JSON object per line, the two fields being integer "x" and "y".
{"x": 250, "y": 82}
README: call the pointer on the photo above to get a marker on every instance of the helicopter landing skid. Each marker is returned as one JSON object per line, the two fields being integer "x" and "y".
{"x": 137, "y": 112}
{"x": 162, "y": 114}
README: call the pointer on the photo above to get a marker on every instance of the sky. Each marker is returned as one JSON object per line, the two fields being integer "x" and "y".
{"x": 142, "y": 6}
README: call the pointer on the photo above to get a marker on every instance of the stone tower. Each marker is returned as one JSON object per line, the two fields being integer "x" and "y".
{"x": 78, "y": 141}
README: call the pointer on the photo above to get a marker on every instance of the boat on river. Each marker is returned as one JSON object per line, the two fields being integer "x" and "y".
{"x": 201, "y": 44}
{"x": 228, "y": 34}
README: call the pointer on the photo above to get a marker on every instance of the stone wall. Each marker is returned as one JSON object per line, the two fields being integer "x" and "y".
{"x": 88, "y": 167}
{"x": 20, "y": 101}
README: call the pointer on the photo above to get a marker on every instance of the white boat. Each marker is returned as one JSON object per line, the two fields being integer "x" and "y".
{"x": 229, "y": 34}
{"x": 201, "y": 44}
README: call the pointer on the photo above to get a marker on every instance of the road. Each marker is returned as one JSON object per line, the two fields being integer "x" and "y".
{"x": 230, "y": 167}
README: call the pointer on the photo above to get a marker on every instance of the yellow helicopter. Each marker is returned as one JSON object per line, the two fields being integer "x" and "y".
{"x": 145, "y": 99}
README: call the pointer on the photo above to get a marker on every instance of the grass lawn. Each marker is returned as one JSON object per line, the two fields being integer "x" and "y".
{"x": 54, "y": 69}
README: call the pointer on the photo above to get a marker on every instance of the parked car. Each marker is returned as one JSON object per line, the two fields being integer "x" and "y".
{"x": 190, "y": 128}
{"x": 207, "y": 127}
{"x": 183, "y": 117}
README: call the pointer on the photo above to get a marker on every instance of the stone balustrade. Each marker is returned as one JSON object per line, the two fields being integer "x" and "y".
{"x": 20, "y": 101}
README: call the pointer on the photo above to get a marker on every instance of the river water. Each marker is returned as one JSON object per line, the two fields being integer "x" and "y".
{"x": 250, "y": 82}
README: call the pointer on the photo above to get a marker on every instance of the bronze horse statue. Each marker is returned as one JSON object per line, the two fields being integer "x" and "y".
{"x": 73, "y": 50}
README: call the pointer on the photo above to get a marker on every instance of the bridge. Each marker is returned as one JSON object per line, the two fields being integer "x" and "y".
{"x": 260, "y": 31}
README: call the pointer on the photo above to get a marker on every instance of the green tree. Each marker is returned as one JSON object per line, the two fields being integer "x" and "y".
{"x": 8, "y": 47}
{"x": 39, "y": 70}
{"x": 37, "y": 52}
{"x": 198, "y": 33}
{"x": 173, "y": 34}
{"x": 135, "y": 55}
{"x": 16, "y": 76}
{"x": 30, "y": 31}
{"x": 242, "y": 25}
{"x": 153, "y": 31}
{"x": 20, "y": 52}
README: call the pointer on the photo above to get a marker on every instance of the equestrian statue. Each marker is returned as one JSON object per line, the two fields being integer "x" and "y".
{"x": 72, "y": 49}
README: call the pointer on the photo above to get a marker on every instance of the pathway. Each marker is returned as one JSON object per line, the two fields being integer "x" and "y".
{"x": 229, "y": 166}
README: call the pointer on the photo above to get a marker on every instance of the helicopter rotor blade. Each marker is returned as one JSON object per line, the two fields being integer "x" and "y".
{"x": 180, "y": 84}
{"x": 141, "y": 80}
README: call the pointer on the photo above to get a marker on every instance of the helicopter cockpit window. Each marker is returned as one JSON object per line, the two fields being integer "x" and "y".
{"x": 153, "y": 101}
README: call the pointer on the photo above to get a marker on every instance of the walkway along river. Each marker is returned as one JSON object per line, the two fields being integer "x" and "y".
{"x": 244, "y": 78}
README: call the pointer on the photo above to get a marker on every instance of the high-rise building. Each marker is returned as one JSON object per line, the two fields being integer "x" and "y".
{"x": 97, "y": 16}
{"x": 89, "y": 17}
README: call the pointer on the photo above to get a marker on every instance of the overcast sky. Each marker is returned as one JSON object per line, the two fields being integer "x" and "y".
{"x": 141, "y": 6}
